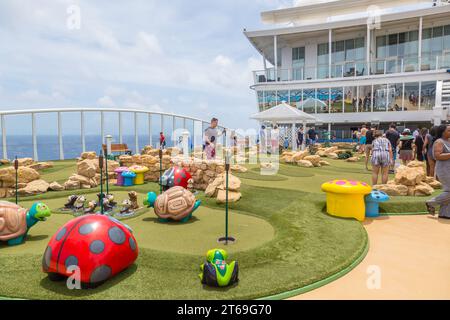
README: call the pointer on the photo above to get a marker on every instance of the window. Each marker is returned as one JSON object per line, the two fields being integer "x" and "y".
{"x": 270, "y": 99}
{"x": 298, "y": 63}
{"x": 428, "y": 95}
{"x": 295, "y": 98}
{"x": 380, "y": 96}
{"x": 350, "y": 99}
{"x": 282, "y": 96}
{"x": 323, "y": 100}
{"x": 261, "y": 100}
{"x": 365, "y": 99}
{"x": 336, "y": 97}
{"x": 309, "y": 101}
{"x": 395, "y": 97}
{"x": 411, "y": 96}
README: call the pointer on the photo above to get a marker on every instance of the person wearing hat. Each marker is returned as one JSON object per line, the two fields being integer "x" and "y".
{"x": 406, "y": 147}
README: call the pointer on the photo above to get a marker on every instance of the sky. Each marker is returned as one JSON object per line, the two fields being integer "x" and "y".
{"x": 177, "y": 56}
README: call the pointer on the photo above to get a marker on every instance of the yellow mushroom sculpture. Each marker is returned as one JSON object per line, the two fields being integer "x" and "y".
{"x": 140, "y": 172}
{"x": 345, "y": 198}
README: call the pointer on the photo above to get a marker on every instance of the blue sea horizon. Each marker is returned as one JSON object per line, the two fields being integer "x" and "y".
{"x": 48, "y": 145}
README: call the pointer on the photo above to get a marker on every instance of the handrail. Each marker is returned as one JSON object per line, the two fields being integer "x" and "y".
{"x": 83, "y": 111}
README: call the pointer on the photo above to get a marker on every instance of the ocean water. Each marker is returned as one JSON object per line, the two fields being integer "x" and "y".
{"x": 48, "y": 146}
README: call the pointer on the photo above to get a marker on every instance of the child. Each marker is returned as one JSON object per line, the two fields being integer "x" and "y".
{"x": 286, "y": 142}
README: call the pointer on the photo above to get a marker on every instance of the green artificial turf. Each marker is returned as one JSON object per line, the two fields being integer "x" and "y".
{"x": 285, "y": 241}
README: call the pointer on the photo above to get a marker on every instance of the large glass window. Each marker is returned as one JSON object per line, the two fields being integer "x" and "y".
{"x": 411, "y": 96}
{"x": 295, "y": 98}
{"x": 428, "y": 95}
{"x": 261, "y": 100}
{"x": 298, "y": 63}
{"x": 323, "y": 100}
{"x": 282, "y": 96}
{"x": 380, "y": 98}
{"x": 270, "y": 99}
{"x": 350, "y": 99}
{"x": 395, "y": 97}
{"x": 435, "y": 47}
{"x": 309, "y": 100}
{"x": 322, "y": 61}
{"x": 365, "y": 99}
{"x": 348, "y": 58}
{"x": 336, "y": 97}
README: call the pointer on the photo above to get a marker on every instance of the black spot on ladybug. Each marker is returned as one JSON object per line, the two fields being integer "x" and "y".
{"x": 132, "y": 243}
{"x": 116, "y": 235}
{"x": 179, "y": 180}
{"x": 86, "y": 229}
{"x": 183, "y": 175}
{"x": 61, "y": 234}
{"x": 101, "y": 274}
{"x": 71, "y": 261}
{"x": 97, "y": 247}
{"x": 47, "y": 258}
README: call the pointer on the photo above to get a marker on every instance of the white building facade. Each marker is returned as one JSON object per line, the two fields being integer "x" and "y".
{"x": 350, "y": 62}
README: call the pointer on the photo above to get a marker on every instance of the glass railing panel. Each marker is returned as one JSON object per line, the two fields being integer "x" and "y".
{"x": 297, "y": 74}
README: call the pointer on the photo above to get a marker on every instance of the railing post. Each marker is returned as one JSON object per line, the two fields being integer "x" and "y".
{"x": 60, "y": 138}
{"x": 83, "y": 136}
{"x": 136, "y": 137}
{"x": 120, "y": 128}
{"x": 33, "y": 133}
{"x": 5, "y": 152}
{"x": 184, "y": 123}
{"x": 150, "y": 138}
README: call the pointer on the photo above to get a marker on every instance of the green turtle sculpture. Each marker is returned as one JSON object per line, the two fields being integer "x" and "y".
{"x": 15, "y": 221}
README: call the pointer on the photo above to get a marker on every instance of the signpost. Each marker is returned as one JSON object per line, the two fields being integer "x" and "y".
{"x": 227, "y": 239}
{"x": 16, "y": 168}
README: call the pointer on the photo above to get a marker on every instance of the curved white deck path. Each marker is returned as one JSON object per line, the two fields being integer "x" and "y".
{"x": 413, "y": 255}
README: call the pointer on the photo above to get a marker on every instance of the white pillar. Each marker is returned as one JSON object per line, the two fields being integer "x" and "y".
{"x": 419, "y": 54}
{"x": 60, "y": 138}
{"x": 150, "y": 138}
{"x": 33, "y": 132}
{"x": 275, "y": 49}
{"x": 136, "y": 137}
{"x": 120, "y": 128}
{"x": 83, "y": 136}
{"x": 294, "y": 137}
{"x": 330, "y": 50}
{"x": 5, "y": 153}
{"x": 368, "y": 41}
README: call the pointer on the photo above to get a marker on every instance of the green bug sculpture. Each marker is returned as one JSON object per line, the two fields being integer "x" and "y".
{"x": 216, "y": 272}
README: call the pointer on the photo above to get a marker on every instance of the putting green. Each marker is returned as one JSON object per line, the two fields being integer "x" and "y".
{"x": 285, "y": 241}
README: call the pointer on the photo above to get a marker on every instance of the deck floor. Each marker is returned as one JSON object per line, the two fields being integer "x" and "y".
{"x": 410, "y": 253}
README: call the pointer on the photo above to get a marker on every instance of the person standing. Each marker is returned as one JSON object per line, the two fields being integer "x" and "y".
{"x": 428, "y": 149}
{"x": 162, "y": 140}
{"x": 362, "y": 139}
{"x": 381, "y": 157}
{"x": 394, "y": 137}
{"x": 275, "y": 139}
{"x": 312, "y": 136}
{"x": 263, "y": 140}
{"x": 406, "y": 147}
{"x": 441, "y": 151}
{"x": 210, "y": 137}
{"x": 370, "y": 137}
{"x": 300, "y": 137}
{"x": 419, "y": 142}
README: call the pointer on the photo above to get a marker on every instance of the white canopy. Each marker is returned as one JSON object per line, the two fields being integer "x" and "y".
{"x": 283, "y": 113}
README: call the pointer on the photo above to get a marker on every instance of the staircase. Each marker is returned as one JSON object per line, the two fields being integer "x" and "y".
{"x": 441, "y": 112}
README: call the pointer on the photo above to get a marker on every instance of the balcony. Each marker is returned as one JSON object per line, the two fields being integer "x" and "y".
{"x": 352, "y": 69}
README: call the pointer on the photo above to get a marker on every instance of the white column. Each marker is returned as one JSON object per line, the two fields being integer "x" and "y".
{"x": 275, "y": 49}
{"x": 120, "y": 128}
{"x": 83, "y": 136}
{"x": 150, "y": 138}
{"x": 419, "y": 54}
{"x": 294, "y": 137}
{"x": 33, "y": 132}
{"x": 330, "y": 50}
{"x": 368, "y": 42}
{"x": 5, "y": 153}
{"x": 60, "y": 138}
{"x": 136, "y": 137}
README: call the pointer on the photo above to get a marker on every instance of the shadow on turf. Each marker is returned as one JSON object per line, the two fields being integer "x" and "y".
{"x": 155, "y": 220}
{"x": 61, "y": 288}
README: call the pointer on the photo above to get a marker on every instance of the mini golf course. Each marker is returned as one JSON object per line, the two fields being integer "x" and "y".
{"x": 286, "y": 241}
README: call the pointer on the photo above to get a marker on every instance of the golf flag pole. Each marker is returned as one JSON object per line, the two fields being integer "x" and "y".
{"x": 227, "y": 239}
{"x": 16, "y": 168}
{"x": 160, "y": 170}
{"x": 100, "y": 164}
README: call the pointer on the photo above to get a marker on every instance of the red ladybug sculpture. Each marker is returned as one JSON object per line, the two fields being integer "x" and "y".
{"x": 100, "y": 246}
{"x": 175, "y": 177}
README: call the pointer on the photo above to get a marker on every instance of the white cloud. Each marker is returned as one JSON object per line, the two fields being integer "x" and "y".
{"x": 106, "y": 101}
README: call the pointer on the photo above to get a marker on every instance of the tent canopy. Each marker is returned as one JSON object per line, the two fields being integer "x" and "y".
{"x": 284, "y": 113}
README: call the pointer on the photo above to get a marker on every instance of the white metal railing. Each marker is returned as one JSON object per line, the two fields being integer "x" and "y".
{"x": 353, "y": 69}
{"x": 83, "y": 111}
